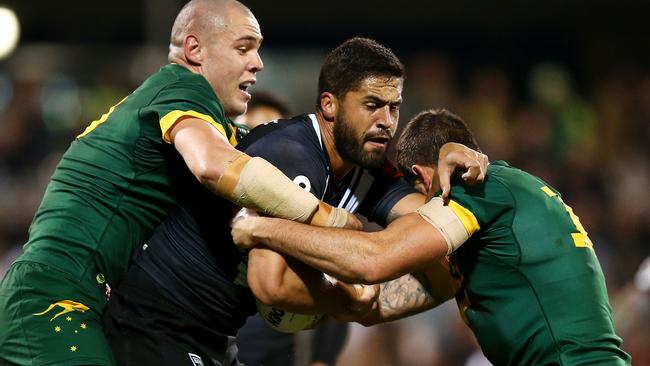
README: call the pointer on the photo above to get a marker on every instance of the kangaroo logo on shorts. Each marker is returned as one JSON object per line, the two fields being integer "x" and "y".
{"x": 196, "y": 359}
{"x": 67, "y": 305}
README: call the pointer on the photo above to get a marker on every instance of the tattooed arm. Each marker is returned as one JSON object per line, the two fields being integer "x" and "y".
{"x": 411, "y": 294}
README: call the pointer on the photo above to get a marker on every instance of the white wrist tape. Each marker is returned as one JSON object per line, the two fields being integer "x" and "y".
{"x": 455, "y": 222}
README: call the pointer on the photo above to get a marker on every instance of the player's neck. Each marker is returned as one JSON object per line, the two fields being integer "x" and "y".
{"x": 340, "y": 167}
{"x": 435, "y": 183}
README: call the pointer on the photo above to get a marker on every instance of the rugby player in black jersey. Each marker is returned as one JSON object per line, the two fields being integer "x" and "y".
{"x": 258, "y": 342}
{"x": 190, "y": 288}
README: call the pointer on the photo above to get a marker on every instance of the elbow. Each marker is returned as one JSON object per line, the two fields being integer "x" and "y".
{"x": 205, "y": 173}
{"x": 372, "y": 274}
{"x": 367, "y": 271}
{"x": 372, "y": 269}
{"x": 268, "y": 290}
{"x": 382, "y": 272}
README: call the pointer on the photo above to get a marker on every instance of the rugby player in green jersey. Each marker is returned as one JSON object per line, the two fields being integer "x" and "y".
{"x": 528, "y": 281}
{"x": 121, "y": 177}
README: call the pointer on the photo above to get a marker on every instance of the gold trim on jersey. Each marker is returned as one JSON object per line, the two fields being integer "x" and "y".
{"x": 171, "y": 118}
{"x": 466, "y": 217}
{"x": 581, "y": 238}
{"x": 101, "y": 120}
{"x": 455, "y": 223}
{"x": 548, "y": 191}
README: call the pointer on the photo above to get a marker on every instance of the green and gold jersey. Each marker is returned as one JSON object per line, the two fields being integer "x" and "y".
{"x": 120, "y": 178}
{"x": 532, "y": 289}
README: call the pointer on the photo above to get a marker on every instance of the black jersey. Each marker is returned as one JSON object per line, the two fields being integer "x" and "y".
{"x": 191, "y": 255}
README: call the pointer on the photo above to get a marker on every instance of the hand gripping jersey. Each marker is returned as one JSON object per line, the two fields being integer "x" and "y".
{"x": 532, "y": 289}
{"x": 119, "y": 179}
{"x": 192, "y": 257}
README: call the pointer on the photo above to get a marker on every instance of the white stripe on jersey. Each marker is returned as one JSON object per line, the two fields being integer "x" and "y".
{"x": 360, "y": 190}
{"x": 314, "y": 124}
{"x": 348, "y": 190}
{"x": 359, "y": 184}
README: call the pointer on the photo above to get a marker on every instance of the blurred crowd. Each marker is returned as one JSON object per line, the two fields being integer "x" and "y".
{"x": 591, "y": 142}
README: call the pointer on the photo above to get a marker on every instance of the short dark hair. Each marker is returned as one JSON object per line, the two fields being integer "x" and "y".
{"x": 268, "y": 99}
{"x": 353, "y": 61}
{"x": 425, "y": 134}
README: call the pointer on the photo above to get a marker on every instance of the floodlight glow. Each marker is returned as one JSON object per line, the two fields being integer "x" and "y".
{"x": 9, "y": 31}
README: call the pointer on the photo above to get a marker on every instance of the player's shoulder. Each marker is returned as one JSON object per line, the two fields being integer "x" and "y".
{"x": 174, "y": 76}
{"x": 298, "y": 127}
{"x": 177, "y": 88}
{"x": 501, "y": 175}
{"x": 500, "y": 187}
{"x": 294, "y": 133}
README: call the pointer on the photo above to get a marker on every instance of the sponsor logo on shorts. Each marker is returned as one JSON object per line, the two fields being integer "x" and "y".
{"x": 67, "y": 305}
{"x": 196, "y": 359}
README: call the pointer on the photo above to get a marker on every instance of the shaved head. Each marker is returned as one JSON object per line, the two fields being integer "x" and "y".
{"x": 202, "y": 18}
{"x": 219, "y": 40}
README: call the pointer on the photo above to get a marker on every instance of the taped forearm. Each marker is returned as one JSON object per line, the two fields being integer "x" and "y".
{"x": 255, "y": 183}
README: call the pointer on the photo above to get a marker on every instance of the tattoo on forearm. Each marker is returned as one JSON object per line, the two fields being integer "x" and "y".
{"x": 405, "y": 296}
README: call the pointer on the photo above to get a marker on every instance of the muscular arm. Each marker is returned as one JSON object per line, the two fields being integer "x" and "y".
{"x": 406, "y": 205}
{"x": 205, "y": 150}
{"x": 291, "y": 286}
{"x": 235, "y": 176}
{"x": 402, "y": 297}
{"x": 405, "y": 245}
{"x": 287, "y": 284}
{"x": 278, "y": 283}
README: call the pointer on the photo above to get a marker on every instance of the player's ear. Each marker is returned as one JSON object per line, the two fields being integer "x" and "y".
{"x": 424, "y": 174}
{"x": 328, "y": 105}
{"x": 192, "y": 50}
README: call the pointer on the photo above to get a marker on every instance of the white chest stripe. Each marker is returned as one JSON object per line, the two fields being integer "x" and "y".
{"x": 314, "y": 124}
{"x": 359, "y": 184}
{"x": 356, "y": 192}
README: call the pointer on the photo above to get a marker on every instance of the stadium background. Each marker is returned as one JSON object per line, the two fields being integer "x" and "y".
{"x": 559, "y": 88}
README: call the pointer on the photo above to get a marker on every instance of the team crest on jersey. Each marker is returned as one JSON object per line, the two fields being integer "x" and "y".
{"x": 196, "y": 359}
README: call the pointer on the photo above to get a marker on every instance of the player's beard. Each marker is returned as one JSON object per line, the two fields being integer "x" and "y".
{"x": 350, "y": 148}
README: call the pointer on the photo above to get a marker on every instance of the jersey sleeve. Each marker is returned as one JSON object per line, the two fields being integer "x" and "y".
{"x": 479, "y": 206}
{"x": 298, "y": 161}
{"x": 184, "y": 99}
{"x": 388, "y": 188}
